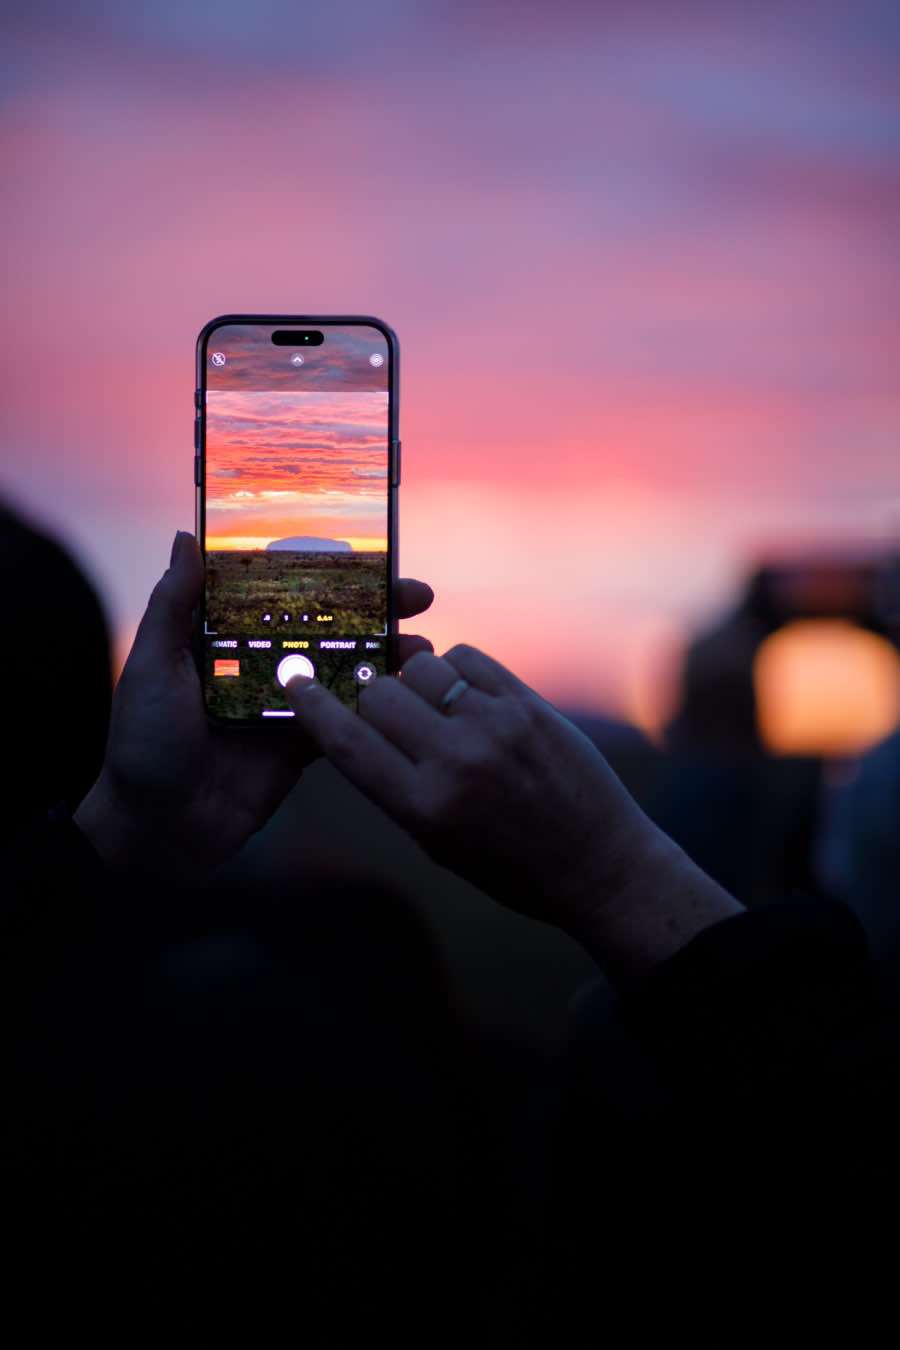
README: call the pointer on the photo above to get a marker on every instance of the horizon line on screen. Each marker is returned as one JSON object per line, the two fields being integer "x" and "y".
{"x": 251, "y": 543}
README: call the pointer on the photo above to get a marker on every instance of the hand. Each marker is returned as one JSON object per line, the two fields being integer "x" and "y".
{"x": 177, "y": 795}
{"x": 499, "y": 787}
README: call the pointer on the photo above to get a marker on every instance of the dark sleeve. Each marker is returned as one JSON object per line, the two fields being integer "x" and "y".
{"x": 774, "y": 1001}
{"x": 761, "y": 1058}
{"x": 734, "y": 1110}
{"x": 52, "y": 879}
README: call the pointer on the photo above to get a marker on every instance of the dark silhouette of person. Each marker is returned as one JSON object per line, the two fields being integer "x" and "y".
{"x": 56, "y": 676}
{"x": 743, "y": 816}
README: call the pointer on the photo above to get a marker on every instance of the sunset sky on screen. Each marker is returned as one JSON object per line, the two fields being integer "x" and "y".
{"x": 643, "y": 260}
{"x": 283, "y": 463}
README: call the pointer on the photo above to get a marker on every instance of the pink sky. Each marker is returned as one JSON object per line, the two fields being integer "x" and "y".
{"x": 644, "y": 277}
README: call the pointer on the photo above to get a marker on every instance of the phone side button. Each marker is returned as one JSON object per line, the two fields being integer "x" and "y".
{"x": 196, "y": 470}
{"x": 395, "y": 464}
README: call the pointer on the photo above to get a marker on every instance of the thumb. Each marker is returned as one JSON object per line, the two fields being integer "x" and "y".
{"x": 167, "y": 625}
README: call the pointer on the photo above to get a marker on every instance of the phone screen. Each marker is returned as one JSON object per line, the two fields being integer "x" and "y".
{"x": 296, "y": 464}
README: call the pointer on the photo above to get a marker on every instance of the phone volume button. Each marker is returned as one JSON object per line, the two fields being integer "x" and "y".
{"x": 395, "y": 464}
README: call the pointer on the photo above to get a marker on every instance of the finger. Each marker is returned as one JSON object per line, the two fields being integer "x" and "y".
{"x": 432, "y": 678}
{"x": 167, "y": 625}
{"x": 408, "y": 644}
{"x": 402, "y": 717}
{"x": 483, "y": 671}
{"x": 354, "y": 747}
{"x": 411, "y": 597}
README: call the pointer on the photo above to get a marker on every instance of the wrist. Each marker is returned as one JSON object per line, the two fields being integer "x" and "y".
{"x": 652, "y": 901}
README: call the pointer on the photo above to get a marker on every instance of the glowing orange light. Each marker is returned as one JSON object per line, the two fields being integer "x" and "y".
{"x": 826, "y": 687}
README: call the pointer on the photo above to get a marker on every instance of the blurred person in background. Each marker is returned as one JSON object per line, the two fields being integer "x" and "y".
{"x": 48, "y": 758}
{"x": 858, "y": 848}
{"x": 743, "y": 816}
{"x": 863, "y": 839}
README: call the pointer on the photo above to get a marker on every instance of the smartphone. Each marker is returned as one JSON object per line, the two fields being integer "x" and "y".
{"x": 297, "y": 466}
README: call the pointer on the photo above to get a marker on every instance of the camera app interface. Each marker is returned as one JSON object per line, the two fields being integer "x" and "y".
{"x": 296, "y": 518}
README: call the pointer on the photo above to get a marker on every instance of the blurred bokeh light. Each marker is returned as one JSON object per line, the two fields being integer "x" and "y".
{"x": 824, "y": 686}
